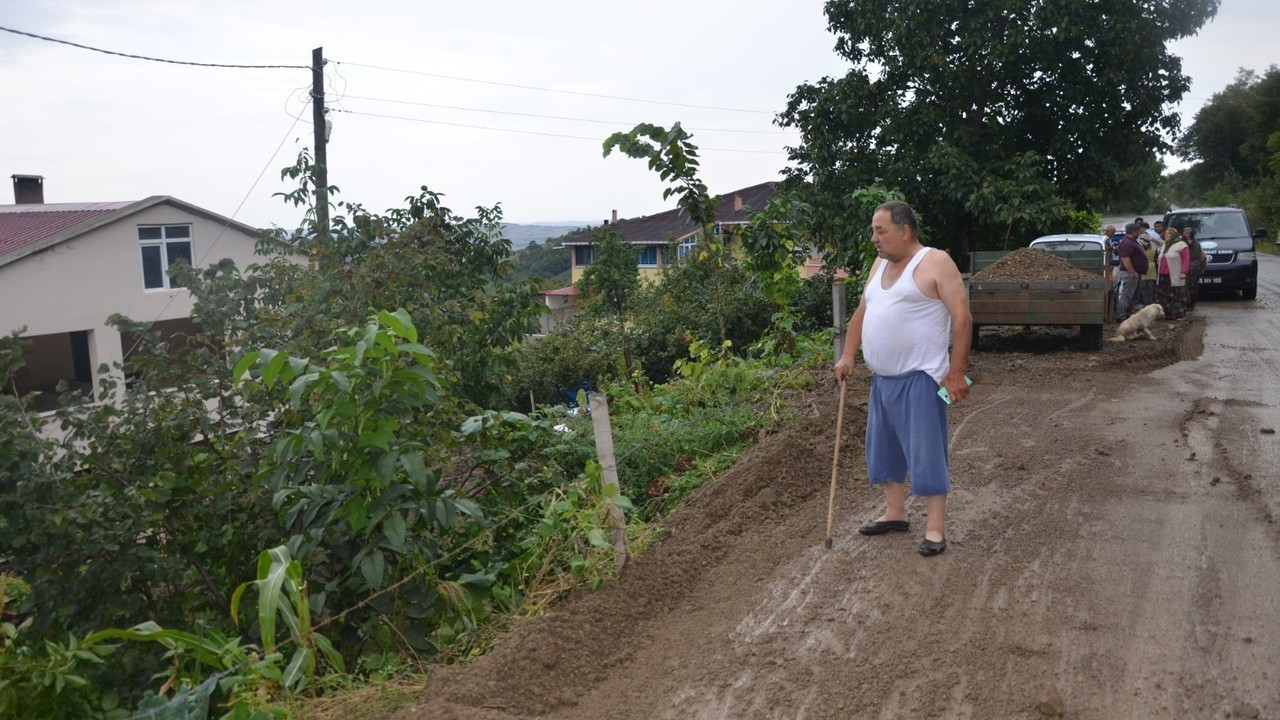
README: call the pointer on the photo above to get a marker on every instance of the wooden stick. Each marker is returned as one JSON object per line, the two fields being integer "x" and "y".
{"x": 617, "y": 522}
{"x": 835, "y": 465}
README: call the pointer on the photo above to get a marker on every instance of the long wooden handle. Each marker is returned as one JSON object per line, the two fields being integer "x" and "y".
{"x": 835, "y": 464}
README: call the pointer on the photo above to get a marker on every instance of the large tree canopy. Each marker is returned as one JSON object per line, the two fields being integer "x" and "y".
{"x": 990, "y": 115}
{"x": 1229, "y": 136}
{"x": 1234, "y": 141}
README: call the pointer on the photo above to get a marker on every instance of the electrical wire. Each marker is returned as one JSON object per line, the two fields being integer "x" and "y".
{"x": 266, "y": 166}
{"x": 302, "y": 96}
{"x": 153, "y": 59}
{"x": 553, "y": 90}
{"x": 614, "y": 123}
{"x": 200, "y": 263}
{"x": 533, "y": 132}
{"x": 338, "y": 95}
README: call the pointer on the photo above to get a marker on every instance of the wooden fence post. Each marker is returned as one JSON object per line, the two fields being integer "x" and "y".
{"x": 609, "y": 465}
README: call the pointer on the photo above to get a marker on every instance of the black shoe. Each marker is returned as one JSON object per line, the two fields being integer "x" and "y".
{"x": 880, "y": 527}
{"x": 929, "y": 548}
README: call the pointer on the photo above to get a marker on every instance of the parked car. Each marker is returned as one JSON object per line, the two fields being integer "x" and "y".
{"x": 1229, "y": 244}
{"x": 1074, "y": 242}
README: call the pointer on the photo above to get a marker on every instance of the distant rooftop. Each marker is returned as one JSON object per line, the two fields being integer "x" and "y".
{"x": 736, "y": 207}
{"x": 22, "y": 225}
{"x": 570, "y": 290}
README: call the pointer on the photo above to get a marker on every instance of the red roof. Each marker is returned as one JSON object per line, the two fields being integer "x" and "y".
{"x": 33, "y": 227}
{"x": 22, "y": 225}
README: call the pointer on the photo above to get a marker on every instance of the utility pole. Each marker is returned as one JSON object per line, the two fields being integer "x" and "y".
{"x": 321, "y": 140}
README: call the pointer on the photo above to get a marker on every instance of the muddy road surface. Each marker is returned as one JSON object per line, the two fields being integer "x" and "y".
{"x": 1114, "y": 553}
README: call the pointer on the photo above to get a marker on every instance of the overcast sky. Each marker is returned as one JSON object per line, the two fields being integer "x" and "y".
{"x": 106, "y": 128}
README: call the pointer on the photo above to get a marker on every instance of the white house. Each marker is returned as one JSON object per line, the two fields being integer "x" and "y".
{"x": 562, "y": 304}
{"x": 66, "y": 267}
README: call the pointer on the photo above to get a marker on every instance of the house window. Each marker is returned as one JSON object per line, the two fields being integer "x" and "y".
{"x": 583, "y": 255}
{"x": 649, "y": 256}
{"x": 162, "y": 246}
{"x": 687, "y": 246}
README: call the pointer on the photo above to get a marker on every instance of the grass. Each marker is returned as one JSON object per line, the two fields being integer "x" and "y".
{"x": 360, "y": 698}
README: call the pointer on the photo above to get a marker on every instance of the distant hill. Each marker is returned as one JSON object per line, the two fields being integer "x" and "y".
{"x": 542, "y": 257}
{"x": 522, "y": 236}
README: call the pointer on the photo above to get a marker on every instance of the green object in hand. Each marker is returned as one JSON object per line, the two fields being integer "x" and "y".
{"x": 946, "y": 396}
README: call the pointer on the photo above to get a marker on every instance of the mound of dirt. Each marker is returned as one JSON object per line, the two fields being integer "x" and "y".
{"x": 546, "y": 663}
{"x": 609, "y": 653}
{"x": 1015, "y": 350}
{"x": 1026, "y": 265}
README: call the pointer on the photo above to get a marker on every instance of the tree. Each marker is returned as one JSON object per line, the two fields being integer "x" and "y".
{"x": 613, "y": 277}
{"x": 547, "y": 262}
{"x": 988, "y": 116}
{"x": 444, "y": 269}
{"x": 672, "y": 154}
{"x": 1229, "y": 135}
{"x": 303, "y": 409}
{"x": 1235, "y": 143}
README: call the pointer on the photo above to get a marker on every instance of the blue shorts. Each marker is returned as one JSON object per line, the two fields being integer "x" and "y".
{"x": 907, "y": 433}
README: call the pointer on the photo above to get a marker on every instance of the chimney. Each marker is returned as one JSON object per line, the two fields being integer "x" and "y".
{"x": 615, "y": 217}
{"x": 28, "y": 189}
{"x": 737, "y": 203}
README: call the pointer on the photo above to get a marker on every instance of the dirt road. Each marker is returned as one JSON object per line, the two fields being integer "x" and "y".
{"x": 1114, "y": 553}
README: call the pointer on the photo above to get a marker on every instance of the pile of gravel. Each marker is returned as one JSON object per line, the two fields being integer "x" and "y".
{"x": 1027, "y": 265}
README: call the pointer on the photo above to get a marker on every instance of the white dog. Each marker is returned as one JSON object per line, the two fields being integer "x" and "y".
{"x": 1138, "y": 323}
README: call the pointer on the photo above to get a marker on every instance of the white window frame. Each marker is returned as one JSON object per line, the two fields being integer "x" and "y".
{"x": 163, "y": 242}
{"x": 686, "y": 246}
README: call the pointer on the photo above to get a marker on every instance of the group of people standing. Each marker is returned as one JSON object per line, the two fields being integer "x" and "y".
{"x": 1157, "y": 265}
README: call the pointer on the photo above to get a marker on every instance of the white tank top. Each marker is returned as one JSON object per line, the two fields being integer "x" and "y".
{"x": 903, "y": 330}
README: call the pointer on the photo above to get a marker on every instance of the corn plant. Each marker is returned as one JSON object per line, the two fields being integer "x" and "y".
{"x": 283, "y": 592}
{"x": 250, "y": 676}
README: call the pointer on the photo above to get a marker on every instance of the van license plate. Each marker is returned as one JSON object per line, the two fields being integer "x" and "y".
{"x": 1210, "y": 281}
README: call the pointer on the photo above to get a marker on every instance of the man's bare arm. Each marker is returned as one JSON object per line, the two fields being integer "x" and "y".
{"x": 951, "y": 291}
{"x": 853, "y": 335}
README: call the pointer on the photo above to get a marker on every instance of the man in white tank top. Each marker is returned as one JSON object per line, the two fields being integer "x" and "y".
{"x": 914, "y": 303}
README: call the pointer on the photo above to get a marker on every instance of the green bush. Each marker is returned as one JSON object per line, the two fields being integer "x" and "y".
{"x": 585, "y": 349}
{"x": 812, "y": 304}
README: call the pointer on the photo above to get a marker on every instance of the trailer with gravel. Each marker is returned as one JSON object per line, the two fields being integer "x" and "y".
{"x": 1029, "y": 286}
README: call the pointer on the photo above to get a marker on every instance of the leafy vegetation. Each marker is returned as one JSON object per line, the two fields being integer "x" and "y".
{"x": 612, "y": 280}
{"x": 350, "y": 404}
{"x": 362, "y": 452}
{"x": 990, "y": 117}
{"x": 1234, "y": 145}
{"x": 546, "y": 262}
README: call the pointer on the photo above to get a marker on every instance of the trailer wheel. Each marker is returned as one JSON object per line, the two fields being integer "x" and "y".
{"x": 973, "y": 340}
{"x": 1090, "y": 337}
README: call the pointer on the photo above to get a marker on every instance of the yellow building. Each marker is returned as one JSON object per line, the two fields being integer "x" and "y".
{"x": 659, "y": 236}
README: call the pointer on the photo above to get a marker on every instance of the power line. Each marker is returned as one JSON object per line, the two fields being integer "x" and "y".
{"x": 199, "y": 263}
{"x": 152, "y": 59}
{"x": 266, "y": 166}
{"x": 553, "y": 90}
{"x": 529, "y": 132}
{"x": 549, "y": 117}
